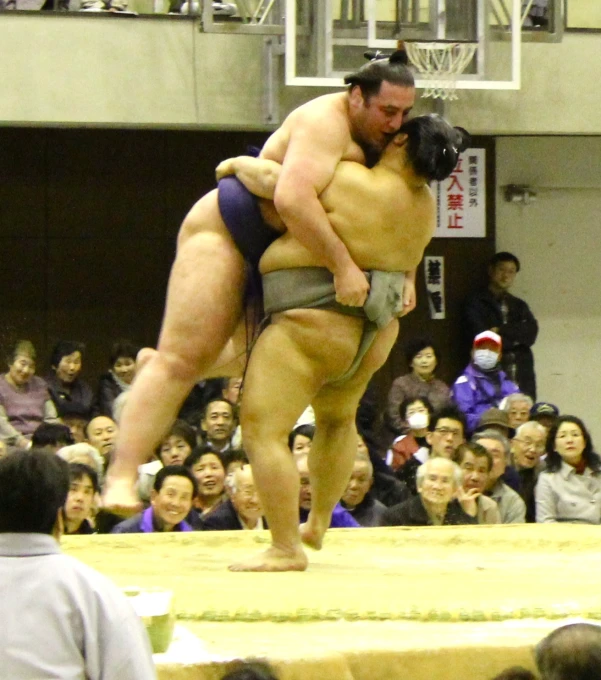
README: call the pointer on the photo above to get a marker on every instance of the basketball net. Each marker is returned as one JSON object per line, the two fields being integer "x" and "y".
{"x": 440, "y": 63}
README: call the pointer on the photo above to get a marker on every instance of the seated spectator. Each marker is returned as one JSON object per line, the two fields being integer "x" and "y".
{"x": 357, "y": 499}
{"x": 84, "y": 453}
{"x": 66, "y": 620}
{"x": 209, "y": 470}
{"x": 171, "y": 500}
{"x": 482, "y": 384}
{"x": 445, "y": 433}
{"x": 527, "y": 447}
{"x": 299, "y": 440}
{"x": 476, "y": 463}
{"x": 569, "y": 487}
{"x": 511, "y": 507}
{"x": 78, "y": 426}
{"x": 70, "y": 394}
{"x": 340, "y": 517}
{"x": 422, "y": 358}
{"x": 118, "y": 378}
{"x": 416, "y": 413}
{"x": 242, "y": 510}
{"x": 438, "y": 482}
{"x": 495, "y": 419}
{"x": 544, "y": 413}
{"x": 173, "y": 450}
{"x": 102, "y": 435}
{"x": 51, "y": 437}
{"x": 80, "y": 500}
{"x": 517, "y": 406}
{"x": 386, "y": 487}
{"x": 572, "y": 652}
{"x": 24, "y": 398}
{"x": 218, "y": 424}
{"x": 231, "y": 390}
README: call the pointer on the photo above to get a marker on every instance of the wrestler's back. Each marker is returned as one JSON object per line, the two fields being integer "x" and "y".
{"x": 384, "y": 223}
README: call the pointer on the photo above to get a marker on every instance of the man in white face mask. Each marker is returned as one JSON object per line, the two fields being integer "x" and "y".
{"x": 483, "y": 384}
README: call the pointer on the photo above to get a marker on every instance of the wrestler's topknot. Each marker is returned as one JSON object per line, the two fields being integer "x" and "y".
{"x": 392, "y": 68}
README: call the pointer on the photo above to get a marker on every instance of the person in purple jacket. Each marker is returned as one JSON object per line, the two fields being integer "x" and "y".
{"x": 175, "y": 488}
{"x": 483, "y": 384}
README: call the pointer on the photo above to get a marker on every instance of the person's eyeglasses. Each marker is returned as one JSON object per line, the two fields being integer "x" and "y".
{"x": 446, "y": 431}
{"x": 529, "y": 444}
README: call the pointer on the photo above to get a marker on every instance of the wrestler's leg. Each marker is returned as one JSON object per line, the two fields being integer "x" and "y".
{"x": 286, "y": 369}
{"x": 334, "y": 446}
{"x": 204, "y": 302}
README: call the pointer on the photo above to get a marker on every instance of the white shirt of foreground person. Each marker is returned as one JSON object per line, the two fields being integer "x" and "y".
{"x": 62, "y": 620}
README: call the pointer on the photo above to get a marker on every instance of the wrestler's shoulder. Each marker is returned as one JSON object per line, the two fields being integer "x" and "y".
{"x": 329, "y": 109}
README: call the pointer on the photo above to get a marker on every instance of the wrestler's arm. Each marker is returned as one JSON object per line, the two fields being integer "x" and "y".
{"x": 314, "y": 150}
{"x": 259, "y": 175}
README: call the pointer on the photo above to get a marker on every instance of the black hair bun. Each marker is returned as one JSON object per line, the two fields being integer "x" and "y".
{"x": 399, "y": 57}
{"x": 465, "y": 138}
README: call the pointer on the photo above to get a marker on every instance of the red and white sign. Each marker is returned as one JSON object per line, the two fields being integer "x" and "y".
{"x": 462, "y": 198}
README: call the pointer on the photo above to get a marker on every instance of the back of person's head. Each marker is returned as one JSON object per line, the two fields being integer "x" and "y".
{"x": 78, "y": 471}
{"x": 572, "y": 652}
{"x": 232, "y": 456}
{"x": 64, "y": 348}
{"x": 450, "y": 413}
{"x": 251, "y": 671}
{"x": 433, "y": 145}
{"x": 52, "y": 435}
{"x": 34, "y": 486}
{"x": 175, "y": 471}
{"x": 391, "y": 69}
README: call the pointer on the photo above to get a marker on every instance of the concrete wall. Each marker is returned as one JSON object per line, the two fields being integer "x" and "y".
{"x": 557, "y": 240}
{"x": 161, "y": 71}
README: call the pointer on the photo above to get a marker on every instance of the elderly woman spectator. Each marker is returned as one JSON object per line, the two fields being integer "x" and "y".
{"x": 569, "y": 488}
{"x": 422, "y": 358}
{"x": 209, "y": 469}
{"x": 173, "y": 450}
{"x": 70, "y": 394}
{"x": 118, "y": 378}
{"x": 482, "y": 384}
{"x": 416, "y": 412}
{"x": 24, "y": 398}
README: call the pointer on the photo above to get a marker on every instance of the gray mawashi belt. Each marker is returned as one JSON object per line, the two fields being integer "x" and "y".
{"x": 313, "y": 288}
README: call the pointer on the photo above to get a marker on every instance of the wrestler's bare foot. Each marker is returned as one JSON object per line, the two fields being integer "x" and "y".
{"x": 274, "y": 559}
{"x": 312, "y": 533}
{"x": 120, "y": 497}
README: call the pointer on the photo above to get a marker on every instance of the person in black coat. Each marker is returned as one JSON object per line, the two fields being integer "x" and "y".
{"x": 118, "y": 378}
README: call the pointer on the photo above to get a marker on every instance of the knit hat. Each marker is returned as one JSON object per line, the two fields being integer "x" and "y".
{"x": 488, "y": 336}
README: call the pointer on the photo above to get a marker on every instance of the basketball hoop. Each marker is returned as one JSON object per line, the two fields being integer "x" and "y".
{"x": 440, "y": 62}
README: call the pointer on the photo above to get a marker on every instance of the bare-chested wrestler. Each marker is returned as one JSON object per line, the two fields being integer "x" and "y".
{"x": 318, "y": 352}
{"x": 205, "y": 293}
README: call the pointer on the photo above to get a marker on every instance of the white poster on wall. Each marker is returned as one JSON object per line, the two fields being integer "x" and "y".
{"x": 434, "y": 271}
{"x": 462, "y": 198}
